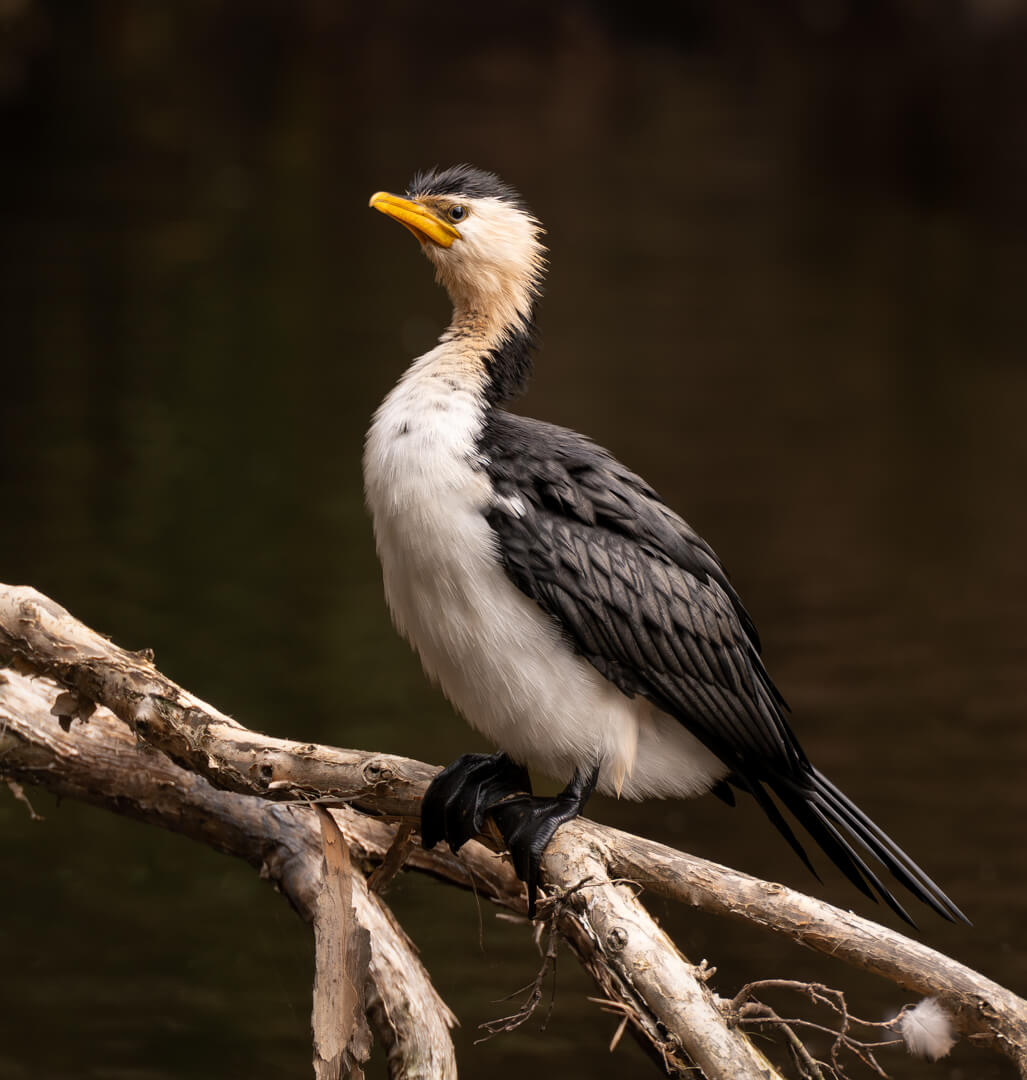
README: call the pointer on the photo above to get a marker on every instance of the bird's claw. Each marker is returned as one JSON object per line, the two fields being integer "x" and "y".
{"x": 528, "y": 823}
{"x": 457, "y": 800}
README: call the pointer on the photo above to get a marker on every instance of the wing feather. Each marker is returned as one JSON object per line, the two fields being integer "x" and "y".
{"x": 641, "y": 596}
{"x": 634, "y": 589}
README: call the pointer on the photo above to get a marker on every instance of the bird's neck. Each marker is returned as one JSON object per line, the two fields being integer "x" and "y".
{"x": 500, "y": 340}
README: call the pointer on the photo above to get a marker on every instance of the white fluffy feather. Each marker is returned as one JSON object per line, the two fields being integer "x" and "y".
{"x": 927, "y": 1030}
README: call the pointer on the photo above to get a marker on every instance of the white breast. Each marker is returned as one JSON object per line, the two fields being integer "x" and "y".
{"x": 495, "y": 654}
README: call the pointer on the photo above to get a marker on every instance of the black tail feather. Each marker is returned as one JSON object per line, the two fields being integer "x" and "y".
{"x": 722, "y": 789}
{"x": 877, "y": 842}
{"x": 831, "y": 842}
{"x": 872, "y": 879}
{"x": 769, "y": 807}
{"x": 835, "y": 822}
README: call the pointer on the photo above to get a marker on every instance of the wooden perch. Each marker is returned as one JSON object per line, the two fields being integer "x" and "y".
{"x": 213, "y": 778}
{"x": 104, "y": 765}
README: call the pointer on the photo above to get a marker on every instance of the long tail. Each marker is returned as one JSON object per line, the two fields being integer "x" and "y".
{"x": 835, "y": 822}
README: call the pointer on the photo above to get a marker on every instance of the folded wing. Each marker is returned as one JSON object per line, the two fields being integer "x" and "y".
{"x": 644, "y": 599}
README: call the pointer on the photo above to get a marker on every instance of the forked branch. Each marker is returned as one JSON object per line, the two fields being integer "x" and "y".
{"x": 218, "y": 762}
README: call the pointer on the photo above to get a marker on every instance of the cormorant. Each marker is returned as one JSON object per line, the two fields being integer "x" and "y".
{"x": 567, "y": 612}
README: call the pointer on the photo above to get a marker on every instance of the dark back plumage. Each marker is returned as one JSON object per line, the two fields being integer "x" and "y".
{"x": 639, "y": 593}
{"x": 644, "y": 599}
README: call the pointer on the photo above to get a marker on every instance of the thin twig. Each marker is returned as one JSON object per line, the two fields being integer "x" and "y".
{"x": 19, "y": 793}
{"x": 744, "y": 1008}
{"x": 534, "y": 988}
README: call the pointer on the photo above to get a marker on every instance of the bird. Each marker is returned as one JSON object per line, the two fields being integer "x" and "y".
{"x": 565, "y": 610}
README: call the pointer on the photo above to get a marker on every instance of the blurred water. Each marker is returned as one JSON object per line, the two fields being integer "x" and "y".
{"x": 811, "y": 346}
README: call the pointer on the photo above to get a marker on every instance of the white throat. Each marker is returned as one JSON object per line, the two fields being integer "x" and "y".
{"x": 422, "y": 438}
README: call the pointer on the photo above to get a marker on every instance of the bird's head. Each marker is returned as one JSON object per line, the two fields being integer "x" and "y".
{"x": 483, "y": 241}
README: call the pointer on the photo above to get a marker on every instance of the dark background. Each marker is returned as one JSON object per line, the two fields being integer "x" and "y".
{"x": 787, "y": 286}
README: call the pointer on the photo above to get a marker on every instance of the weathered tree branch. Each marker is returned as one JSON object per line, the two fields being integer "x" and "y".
{"x": 665, "y": 997}
{"x": 103, "y": 764}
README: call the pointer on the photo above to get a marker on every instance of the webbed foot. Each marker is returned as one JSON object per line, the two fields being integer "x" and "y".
{"x": 528, "y": 823}
{"x": 457, "y": 800}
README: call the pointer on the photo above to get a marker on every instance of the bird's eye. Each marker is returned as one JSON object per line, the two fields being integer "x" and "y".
{"x": 457, "y": 213}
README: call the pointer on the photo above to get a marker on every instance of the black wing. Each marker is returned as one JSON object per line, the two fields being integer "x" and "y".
{"x": 640, "y": 595}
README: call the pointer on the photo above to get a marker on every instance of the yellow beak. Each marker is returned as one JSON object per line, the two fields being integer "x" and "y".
{"x": 422, "y": 222}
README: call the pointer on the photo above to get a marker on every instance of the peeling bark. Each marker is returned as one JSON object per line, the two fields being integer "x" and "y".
{"x": 342, "y": 1039}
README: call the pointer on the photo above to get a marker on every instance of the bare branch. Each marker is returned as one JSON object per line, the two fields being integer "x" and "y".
{"x": 635, "y": 962}
{"x": 979, "y": 1006}
{"x": 581, "y": 865}
{"x": 101, "y": 763}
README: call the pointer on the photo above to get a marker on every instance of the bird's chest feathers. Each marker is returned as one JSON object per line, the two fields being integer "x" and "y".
{"x": 428, "y": 494}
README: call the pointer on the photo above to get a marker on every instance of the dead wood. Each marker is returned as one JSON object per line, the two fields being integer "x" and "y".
{"x": 103, "y": 764}
{"x": 664, "y": 997}
{"x": 342, "y": 950}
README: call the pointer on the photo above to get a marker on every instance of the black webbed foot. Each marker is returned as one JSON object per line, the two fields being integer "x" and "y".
{"x": 457, "y": 800}
{"x": 528, "y": 823}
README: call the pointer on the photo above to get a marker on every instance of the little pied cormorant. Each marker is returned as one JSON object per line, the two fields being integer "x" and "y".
{"x": 563, "y": 608}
